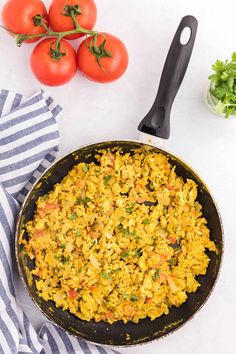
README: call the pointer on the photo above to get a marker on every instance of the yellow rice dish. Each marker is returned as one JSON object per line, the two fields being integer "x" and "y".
{"x": 122, "y": 239}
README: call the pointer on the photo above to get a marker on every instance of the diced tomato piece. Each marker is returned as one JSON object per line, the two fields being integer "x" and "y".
{"x": 162, "y": 258}
{"x": 148, "y": 300}
{"x": 38, "y": 233}
{"x": 171, "y": 188}
{"x": 93, "y": 287}
{"x": 129, "y": 310}
{"x": 163, "y": 277}
{"x": 171, "y": 239}
{"x": 91, "y": 234}
{"x": 140, "y": 200}
{"x": 72, "y": 293}
{"x": 109, "y": 315}
{"x": 48, "y": 207}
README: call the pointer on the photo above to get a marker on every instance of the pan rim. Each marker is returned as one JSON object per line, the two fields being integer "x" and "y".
{"x": 74, "y": 151}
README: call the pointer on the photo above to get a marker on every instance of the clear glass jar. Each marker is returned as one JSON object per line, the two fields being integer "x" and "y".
{"x": 214, "y": 104}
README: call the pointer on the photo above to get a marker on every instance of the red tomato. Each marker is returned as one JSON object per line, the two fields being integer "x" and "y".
{"x": 72, "y": 293}
{"x": 17, "y": 16}
{"x": 171, "y": 239}
{"x": 50, "y": 71}
{"x": 62, "y": 23}
{"x": 113, "y": 66}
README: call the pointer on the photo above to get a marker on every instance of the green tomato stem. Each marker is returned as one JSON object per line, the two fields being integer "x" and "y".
{"x": 20, "y": 38}
{"x": 43, "y": 24}
{"x": 72, "y": 14}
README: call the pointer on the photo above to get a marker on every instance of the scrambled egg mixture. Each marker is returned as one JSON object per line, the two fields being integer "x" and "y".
{"x": 121, "y": 239}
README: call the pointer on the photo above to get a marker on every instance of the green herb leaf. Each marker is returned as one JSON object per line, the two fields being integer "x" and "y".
{"x": 106, "y": 276}
{"x": 78, "y": 233}
{"x": 138, "y": 253}
{"x": 85, "y": 168}
{"x": 134, "y": 298}
{"x": 124, "y": 255}
{"x": 65, "y": 260}
{"x": 83, "y": 200}
{"x": 128, "y": 210}
{"x": 146, "y": 221}
{"x": 80, "y": 270}
{"x": 73, "y": 216}
{"x": 94, "y": 226}
{"x": 21, "y": 247}
{"x": 107, "y": 179}
{"x": 116, "y": 270}
{"x": 233, "y": 57}
{"x": 126, "y": 232}
{"x": 63, "y": 245}
{"x": 172, "y": 261}
{"x": 67, "y": 232}
{"x": 57, "y": 257}
{"x": 156, "y": 275}
{"x": 223, "y": 86}
{"x": 93, "y": 243}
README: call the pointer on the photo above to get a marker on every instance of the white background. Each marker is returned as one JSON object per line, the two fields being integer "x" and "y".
{"x": 96, "y": 112}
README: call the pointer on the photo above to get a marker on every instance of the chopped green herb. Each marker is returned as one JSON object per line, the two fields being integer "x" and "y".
{"x": 63, "y": 245}
{"x": 106, "y": 276}
{"x": 57, "y": 257}
{"x": 122, "y": 218}
{"x": 107, "y": 179}
{"x": 93, "y": 243}
{"x": 83, "y": 200}
{"x": 129, "y": 210}
{"x": 156, "y": 275}
{"x": 21, "y": 247}
{"x": 134, "y": 298}
{"x": 85, "y": 168}
{"x": 172, "y": 261}
{"x": 130, "y": 296}
{"x": 124, "y": 255}
{"x": 65, "y": 260}
{"x": 73, "y": 216}
{"x": 126, "y": 232}
{"x": 94, "y": 226}
{"x": 138, "y": 253}
{"x": 67, "y": 232}
{"x": 80, "y": 270}
{"x": 146, "y": 221}
{"x": 116, "y": 270}
{"x": 78, "y": 233}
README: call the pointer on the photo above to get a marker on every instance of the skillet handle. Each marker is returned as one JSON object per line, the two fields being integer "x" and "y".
{"x": 157, "y": 121}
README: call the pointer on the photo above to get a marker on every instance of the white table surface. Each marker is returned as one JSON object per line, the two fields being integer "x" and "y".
{"x": 96, "y": 112}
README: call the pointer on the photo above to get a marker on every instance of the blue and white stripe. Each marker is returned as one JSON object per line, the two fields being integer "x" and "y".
{"x": 29, "y": 140}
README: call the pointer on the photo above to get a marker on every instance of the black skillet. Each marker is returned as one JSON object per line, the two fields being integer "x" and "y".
{"x": 155, "y": 123}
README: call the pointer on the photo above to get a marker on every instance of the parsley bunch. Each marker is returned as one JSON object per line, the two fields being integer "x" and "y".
{"x": 223, "y": 86}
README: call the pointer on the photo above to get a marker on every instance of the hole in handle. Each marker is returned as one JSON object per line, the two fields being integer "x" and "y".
{"x": 185, "y": 35}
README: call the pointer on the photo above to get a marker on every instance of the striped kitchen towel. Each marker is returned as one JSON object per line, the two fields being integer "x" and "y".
{"x": 29, "y": 141}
